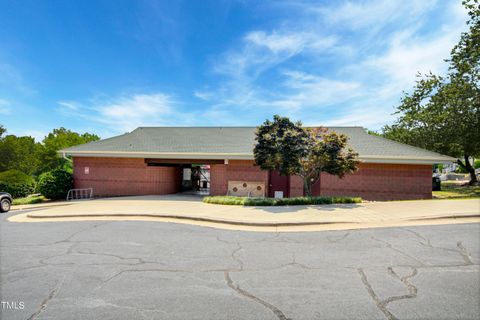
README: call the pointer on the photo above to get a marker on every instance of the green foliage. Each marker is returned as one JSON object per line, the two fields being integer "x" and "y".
{"x": 455, "y": 191}
{"x": 29, "y": 200}
{"x": 33, "y": 158}
{"x": 59, "y": 139}
{"x": 17, "y": 183}
{"x": 55, "y": 184}
{"x": 374, "y": 133}
{"x": 243, "y": 201}
{"x": 281, "y": 145}
{"x": 476, "y": 164}
{"x": 443, "y": 113}
{"x": 18, "y": 153}
{"x": 293, "y": 150}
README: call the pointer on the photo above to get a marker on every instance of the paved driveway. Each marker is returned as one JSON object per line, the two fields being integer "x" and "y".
{"x": 191, "y": 209}
{"x": 152, "y": 270}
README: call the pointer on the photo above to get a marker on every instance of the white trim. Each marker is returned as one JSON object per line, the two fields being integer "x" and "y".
{"x": 163, "y": 155}
{"x": 246, "y": 156}
{"x": 404, "y": 161}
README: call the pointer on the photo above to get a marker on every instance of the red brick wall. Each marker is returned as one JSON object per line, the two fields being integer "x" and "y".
{"x": 380, "y": 182}
{"x": 125, "y": 176}
{"x": 239, "y": 170}
{"x": 129, "y": 176}
{"x": 296, "y": 186}
{"x": 218, "y": 179}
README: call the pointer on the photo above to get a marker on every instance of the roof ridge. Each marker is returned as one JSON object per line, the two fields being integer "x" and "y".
{"x": 200, "y": 127}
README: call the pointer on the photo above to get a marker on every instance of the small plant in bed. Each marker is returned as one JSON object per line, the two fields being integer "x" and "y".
{"x": 244, "y": 201}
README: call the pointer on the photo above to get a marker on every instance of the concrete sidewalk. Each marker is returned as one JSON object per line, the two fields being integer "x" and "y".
{"x": 190, "y": 209}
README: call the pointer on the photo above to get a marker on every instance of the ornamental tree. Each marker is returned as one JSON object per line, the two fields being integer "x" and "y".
{"x": 294, "y": 150}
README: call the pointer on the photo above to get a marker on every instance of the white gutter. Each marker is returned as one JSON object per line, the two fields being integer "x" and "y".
{"x": 162, "y": 155}
{"x": 247, "y": 156}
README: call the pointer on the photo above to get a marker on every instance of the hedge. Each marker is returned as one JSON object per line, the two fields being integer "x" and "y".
{"x": 55, "y": 184}
{"x": 243, "y": 201}
{"x": 17, "y": 183}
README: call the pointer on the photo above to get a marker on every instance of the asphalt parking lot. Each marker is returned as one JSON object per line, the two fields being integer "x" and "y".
{"x": 153, "y": 270}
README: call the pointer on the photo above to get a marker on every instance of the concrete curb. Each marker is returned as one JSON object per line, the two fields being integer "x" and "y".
{"x": 240, "y": 223}
{"x": 460, "y": 216}
{"x": 191, "y": 218}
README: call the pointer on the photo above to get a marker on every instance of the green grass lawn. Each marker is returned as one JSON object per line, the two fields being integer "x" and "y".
{"x": 452, "y": 191}
{"x": 29, "y": 200}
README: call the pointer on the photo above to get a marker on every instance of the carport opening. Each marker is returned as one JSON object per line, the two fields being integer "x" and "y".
{"x": 196, "y": 179}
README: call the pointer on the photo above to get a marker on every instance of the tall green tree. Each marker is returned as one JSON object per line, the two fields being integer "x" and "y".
{"x": 17, "y": 153}
{"x": 443, "y": 113}
{"x": 56, "y": 140}
{"x": 293, "y": 150}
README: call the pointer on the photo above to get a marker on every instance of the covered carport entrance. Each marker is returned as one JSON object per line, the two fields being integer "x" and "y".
{"x": 194, "y": 174}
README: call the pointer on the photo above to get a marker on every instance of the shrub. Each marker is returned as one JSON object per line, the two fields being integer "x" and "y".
{"x": 17, "y": 183}
{"x": 55, "y": 184}
{"x": 230, "y": 200}
{"x": 29, "y": 200}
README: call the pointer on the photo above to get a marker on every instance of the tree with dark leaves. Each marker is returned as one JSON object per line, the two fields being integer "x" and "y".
{"x": 293, "y": 150}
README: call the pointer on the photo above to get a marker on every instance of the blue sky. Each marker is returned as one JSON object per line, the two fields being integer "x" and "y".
{"x": 108, "y": 67}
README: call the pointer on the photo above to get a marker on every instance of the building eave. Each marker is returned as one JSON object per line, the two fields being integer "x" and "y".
{"x": 246, "y": 156}
{"x": 159, "y": 155}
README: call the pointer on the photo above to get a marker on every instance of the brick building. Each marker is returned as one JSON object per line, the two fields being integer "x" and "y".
{"x": 154, "y": 160}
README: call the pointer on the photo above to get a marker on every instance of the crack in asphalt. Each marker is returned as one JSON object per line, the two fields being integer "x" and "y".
{"x": 462, "y": 250}
{"x": 390, "y": 246}
{"x": 44, "y": 303}
{"x": 464, "y": 253}
{"x": 331, "y": 240}
{"x": 382, "y": 303}
{"x": 379, "y": 303}
{"x": 280, "y": 315}
{"x": 426, "y": 241}
{"x": 234, "y": 257}
{"x": 236, "y": 254}
{"x": 69, "y": 238}
{"x": 412, "y": 290}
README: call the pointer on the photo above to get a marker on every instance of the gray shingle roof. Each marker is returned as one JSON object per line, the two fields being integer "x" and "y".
{"x": 237, "y": 143}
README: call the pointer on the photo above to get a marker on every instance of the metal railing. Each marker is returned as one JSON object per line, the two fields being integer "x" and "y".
{"x": 80, "y": 194}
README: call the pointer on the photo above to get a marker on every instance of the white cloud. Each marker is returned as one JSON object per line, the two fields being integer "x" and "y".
{"x": 409, "y": 54}
{"x": 277, "y": 42}
{"x": 373, "y": 13}
{"x": 127, "y": 112}
{"x": 138, "y": 106}
{"x": 261, "y": 51}
{"x": 204, "y": 95}
{"x": 12, "y": 78}
{"x": 4, "y": 107}
{"x": 69, "y": 105}
{"x": 307, "y": 91}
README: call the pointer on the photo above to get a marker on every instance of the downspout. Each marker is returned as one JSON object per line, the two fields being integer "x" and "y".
{"x": 66, "y": 158}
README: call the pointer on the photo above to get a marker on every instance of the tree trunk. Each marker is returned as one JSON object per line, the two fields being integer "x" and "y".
{"x": 468, "y": 167}
{"x": 307, "y": 186}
